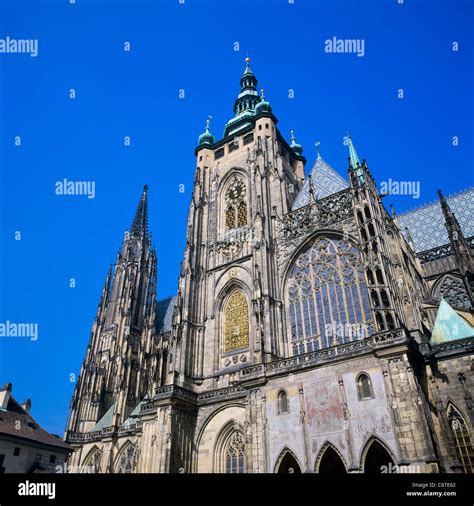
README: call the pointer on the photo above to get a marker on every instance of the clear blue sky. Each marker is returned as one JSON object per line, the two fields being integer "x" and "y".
{"x": 135, "y": 93}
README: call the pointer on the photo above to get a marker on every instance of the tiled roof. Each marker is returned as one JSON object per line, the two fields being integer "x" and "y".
{"x": 16, "y": 422}
{"x": 426, "y": 223}
{"x": 326, "y": 181}
{"x": 164, "y": 314}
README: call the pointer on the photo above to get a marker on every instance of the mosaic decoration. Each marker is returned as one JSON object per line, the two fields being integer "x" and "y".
{"x": 236, "y": 322}
{"x": 426, "y": 224}
{"x": 326, "y": 181}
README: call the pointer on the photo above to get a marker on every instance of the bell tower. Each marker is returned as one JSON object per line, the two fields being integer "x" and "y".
{"x": 229, "y": 308}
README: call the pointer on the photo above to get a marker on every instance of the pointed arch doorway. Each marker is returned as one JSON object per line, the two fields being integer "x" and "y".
{"x": 377, "y": 458}
{"x": 288, "y": 465}
{"x": 331, "y": 463}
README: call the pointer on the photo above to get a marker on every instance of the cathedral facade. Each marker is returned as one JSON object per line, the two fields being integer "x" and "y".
{"x": 312, "y": 330}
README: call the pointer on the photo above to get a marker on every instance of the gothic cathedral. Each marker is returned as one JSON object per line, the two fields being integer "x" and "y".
{"x": 312, "y": 330}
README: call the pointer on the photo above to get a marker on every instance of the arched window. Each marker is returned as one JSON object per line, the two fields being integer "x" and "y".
{"x": 127, "y": 459}
{"x": 230, "y": 218}
{"x": 364, "y": 387}
{"x": 92, "y": 463}
{"x": 462, "y": 439}
{"x": 367, "y": 212}
{"x": 454, "y": 293}
{"x": 282, "y": 402}
{"x": 236, "y": 203}
{"x": 242, "y": 214}
{"x": 236, "y": 322}
{"x": 328, "y": 299}
{"x": 235, "y": 454}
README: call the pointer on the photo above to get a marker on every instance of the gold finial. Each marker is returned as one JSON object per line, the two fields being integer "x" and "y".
{"x": 247, "y": 60}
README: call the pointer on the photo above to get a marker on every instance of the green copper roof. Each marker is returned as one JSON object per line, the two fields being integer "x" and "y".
{"x": 297, "y": 148}
{"x": 106, "y": 420}
{"x": 449, "y": 326}
{"x": 206, "y": 137}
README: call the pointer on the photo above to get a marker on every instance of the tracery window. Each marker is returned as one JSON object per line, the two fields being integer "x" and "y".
{"x": 454, "y": 293}
{"x": 235, "y": 454}
{"x": 92, "y": 462}
{"x": 327, "y": 296}
{"x": 236, "y": 322}
{"x": 127, "y": 459}
{"x": 462, "y": 439}
{"x": 236, "y": 213}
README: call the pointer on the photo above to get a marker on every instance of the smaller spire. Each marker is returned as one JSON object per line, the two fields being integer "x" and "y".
{"x": 207, "y": 137}
{"x": 316, "y": 145}
{"x": 352, "y": 151}
{"x": 247, "y": 65}
{"x": 297, "y": 148}
{"x": 312, "y": 192}
{"x": 140, "y": 222}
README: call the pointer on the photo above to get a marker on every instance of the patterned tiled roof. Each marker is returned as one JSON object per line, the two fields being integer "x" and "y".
{"x": 164, "y": 314}
{"x": 326, "y": 181}
{"x": 426, "y": 223}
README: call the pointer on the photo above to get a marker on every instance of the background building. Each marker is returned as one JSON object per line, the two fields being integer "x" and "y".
{"x": 24, "y": 446}
{"x": 312, "y": 331}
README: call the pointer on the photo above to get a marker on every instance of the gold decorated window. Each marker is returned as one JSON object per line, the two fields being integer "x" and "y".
{"x": 236, "y": 322}
{"x": 242, "y": 214}
{"x": 230, "y": 218}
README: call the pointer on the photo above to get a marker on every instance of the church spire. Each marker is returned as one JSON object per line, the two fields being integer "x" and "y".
{"x": 248, "y": 97}
{"x": 456, "y": 238}
{"x": 140, "y": 222}
{"x": 352, "y": 151}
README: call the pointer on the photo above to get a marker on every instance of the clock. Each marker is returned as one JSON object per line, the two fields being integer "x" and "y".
{"x": 235, "y": 191}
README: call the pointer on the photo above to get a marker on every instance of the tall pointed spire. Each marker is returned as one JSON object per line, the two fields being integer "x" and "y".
{"x": 352, "y": 151}
{"x": 140, "y": 222}
{"x": 248, "y": 97}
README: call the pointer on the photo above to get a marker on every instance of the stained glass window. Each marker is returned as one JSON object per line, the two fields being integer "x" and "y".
{"x": 328, "y": 300}
{"x": 462, "y": 439}
{"x": 242, "y": 214}
{"x": 230, "y": 218}
{"x": 236, "y": 322}
{"x": 235, "y": 454}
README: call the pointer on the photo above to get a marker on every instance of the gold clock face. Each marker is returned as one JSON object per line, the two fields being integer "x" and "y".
{"x": 235, "y": 191}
